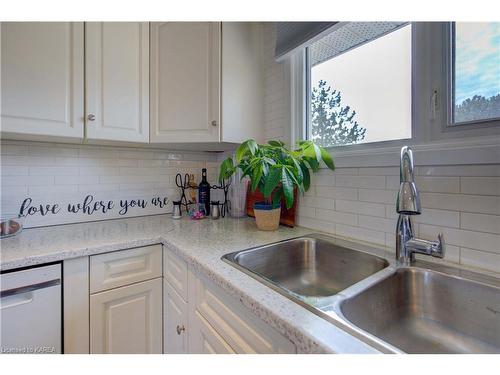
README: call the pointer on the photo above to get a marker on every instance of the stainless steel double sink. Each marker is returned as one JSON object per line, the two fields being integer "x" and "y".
{"x": 422, "y": 308}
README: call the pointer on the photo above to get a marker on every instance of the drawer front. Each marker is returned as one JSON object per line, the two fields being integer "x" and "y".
{"x": 175, "y": 270}
{"x": 237, "y": 325}
{"x": 203, "y": 339}
{"x": 175, "y": 317}
{"x": 124, "y": 267}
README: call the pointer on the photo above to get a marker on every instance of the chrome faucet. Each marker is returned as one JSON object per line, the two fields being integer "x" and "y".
{"x": 407, "y": 205}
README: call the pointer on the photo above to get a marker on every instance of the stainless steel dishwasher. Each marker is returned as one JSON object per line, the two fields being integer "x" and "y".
{"x": 30, "y": 311}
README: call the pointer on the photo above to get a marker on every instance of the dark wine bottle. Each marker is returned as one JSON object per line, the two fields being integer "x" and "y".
{"x": 204, "y": 191}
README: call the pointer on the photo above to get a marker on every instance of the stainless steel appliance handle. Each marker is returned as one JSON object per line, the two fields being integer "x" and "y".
{"x": 29, "y": 288}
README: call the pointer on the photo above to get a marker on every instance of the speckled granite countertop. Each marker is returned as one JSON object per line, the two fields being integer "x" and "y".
{"x": 200, "y": 243}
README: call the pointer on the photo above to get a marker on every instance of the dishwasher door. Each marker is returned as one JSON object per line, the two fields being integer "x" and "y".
{"x": 30, "y": 311}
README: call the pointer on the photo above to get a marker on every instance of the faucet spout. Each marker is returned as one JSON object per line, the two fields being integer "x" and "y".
{"x": 408, "y": 197}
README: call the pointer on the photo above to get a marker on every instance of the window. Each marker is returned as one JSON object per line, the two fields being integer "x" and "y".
{"x": 475, "y": 72}
{"x": 359, "y": 78}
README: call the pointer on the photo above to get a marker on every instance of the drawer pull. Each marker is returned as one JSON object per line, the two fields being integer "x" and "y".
{"x": 180, "y": 329}
{"x": 29, "y": 288}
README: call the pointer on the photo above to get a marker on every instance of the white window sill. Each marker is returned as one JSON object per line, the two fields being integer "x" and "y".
{"x": 480, "y": 150}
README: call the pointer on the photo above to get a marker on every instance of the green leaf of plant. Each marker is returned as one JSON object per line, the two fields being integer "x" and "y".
{"x": 309, "y": 150}
{"x": 313, "y": 163}
{"x": 241, "y": 151}
{"x": 256, "y": 176}
{"x": 327, "y": 158}
{"x": 306, "y": 181}
{"x": 276, "y": 143}
{"x": 252, "y": 146}
{"x": 268, "y": 160}
{"x": 298, "y": 171}
{"x": 290, "y": 172}
{"x": 277, "y": 195}
{"x": 287, "y": 184}
{"x": 273, "y": 179}
{"x": 317, "y": 152}
{"x": 226, "y": 169}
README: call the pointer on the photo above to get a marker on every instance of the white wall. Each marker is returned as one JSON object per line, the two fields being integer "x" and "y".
{"x": 462, "y": 201}
{"x": 275, "y": 89}
{"x": 51, "y": 173}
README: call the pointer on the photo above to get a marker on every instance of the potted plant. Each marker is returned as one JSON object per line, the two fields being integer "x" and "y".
{"x": 275, "y": 171}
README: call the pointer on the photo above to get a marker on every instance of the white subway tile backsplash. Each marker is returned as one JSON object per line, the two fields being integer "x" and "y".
{"x": 336, "y": 216}
{"x": 436, "y": 184}
{"x": 44, "y": 192}
{"x": 6, "y": 149}
{"x": 27, "y": 180}
{"x": 371, "y": 182}
{"x": 365, "y": 208}
{"x": 317, "y": 202}
{"x": 438, "y": 217}
{"x": 362, "y": 234}
{"x": 336, "y": 192}
{"x": 459, "y": 170}
{"x": 377, "y": 195}
{"x": 65, "y": 151}
{"x": 378, "y": 171}
{"x": 377, "y": 223}
{"x": 52, "y": 173}
{"x": 480, "y": 185}
{"x": 14, "y": 159}
{"x": 323, "y": 180}
{"x": 431, "y": 184}
{"x": 14, "y": 170}
{"x": 480, "y": 222}
{"x": 55, "y": 171}
{"x": 462, "y": 202}
{"x": 481, "y": 259}
{"x": 307, "y": 211}
{"x": 76, "y": 180}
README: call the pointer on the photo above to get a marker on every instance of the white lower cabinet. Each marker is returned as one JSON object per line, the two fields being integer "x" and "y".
{"x": 127, "y": 319}
{"x": 201, "y": 318}
{"x": 236, "y": 325}
{"x": 133, "y": 305}
{"x": 175, "y": 313}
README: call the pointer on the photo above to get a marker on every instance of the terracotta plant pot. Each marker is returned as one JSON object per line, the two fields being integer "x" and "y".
{"x": 267, "y": 217}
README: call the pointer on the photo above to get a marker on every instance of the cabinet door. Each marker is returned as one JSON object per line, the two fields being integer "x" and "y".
{"x": 127, "y": 319}
{"x": 185, "y": 82}
{"x": 117, "y": 81}
{"x": 203, "y": 339}
{"x": 42, "y": 79}
{"x": 174, "y": 321}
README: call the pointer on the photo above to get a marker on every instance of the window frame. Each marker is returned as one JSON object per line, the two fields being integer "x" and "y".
{"x": 429, "y": 112}
{"x": 360, "y": 146}
{"x": 449, "y": 61}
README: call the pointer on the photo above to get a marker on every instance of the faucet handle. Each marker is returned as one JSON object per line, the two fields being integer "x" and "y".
{"x": 438, "y": 247}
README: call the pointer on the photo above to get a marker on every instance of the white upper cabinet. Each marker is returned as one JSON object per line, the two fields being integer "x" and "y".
{"x": 42, "y": 79}
{"x": 117, "y": 81}
{"x": 242, "y": 82}
{"x": 206, "y": 83}
{"x": 185, "y": 82}
{"x": 91, "y": 82}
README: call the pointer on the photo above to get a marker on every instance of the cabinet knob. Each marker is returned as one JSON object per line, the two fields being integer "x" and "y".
{"x": 91, "y": 117}
{"x": 214, "y": 123}
{"x": 180, "y": 329}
